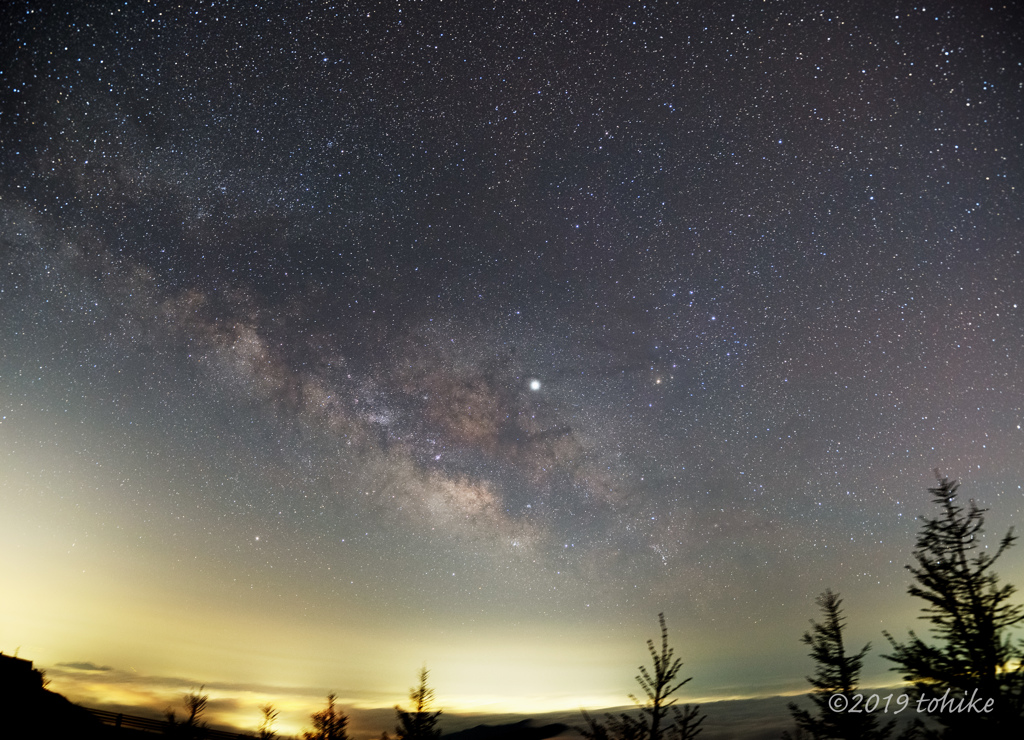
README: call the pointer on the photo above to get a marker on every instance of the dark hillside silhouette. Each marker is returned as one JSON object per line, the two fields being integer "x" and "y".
{"x": 524, "y": 730}
{"x": 30, "y": 710}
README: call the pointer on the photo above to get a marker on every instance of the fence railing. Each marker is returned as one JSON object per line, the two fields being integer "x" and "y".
{"x": 162, "y": 727}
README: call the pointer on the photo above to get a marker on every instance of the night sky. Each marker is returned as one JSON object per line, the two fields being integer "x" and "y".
{"x": 341, "y": 338}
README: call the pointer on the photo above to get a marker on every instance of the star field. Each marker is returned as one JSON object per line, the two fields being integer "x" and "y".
{"x": 421, "y": 318}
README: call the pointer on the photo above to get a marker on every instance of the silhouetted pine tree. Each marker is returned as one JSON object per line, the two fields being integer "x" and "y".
{"x": 614, "y": 727}
{"x": 971, "y": 617}
{"x": 195, "y": 703}
{"x": 659, "y": 719}
{"x": 420, "y": 723}
{"x": 270, "y": 714}
{"x": 836, "y": 673}
{"x": 192, "y": 727}
{"x": 329, "y": 723}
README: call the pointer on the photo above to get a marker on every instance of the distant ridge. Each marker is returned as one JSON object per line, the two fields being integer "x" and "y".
{"x": 522, "y": 730}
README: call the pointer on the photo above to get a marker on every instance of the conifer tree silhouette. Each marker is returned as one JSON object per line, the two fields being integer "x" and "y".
{"x": 836, "y": 672}
{"x": 195, "y": 703}
{"x": 329, "y": 723}
{"x": 270, "y": 714}
{"x": 420, "y": 723}
{"x": 971, "y": 616}
{"x": 192, "y": 727}
{"x": 659, "y": 718}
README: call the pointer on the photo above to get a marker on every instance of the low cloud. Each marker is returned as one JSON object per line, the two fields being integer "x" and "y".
{"x": 85, "y": 666}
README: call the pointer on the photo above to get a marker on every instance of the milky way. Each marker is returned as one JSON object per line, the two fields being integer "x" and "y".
{"x": 514, "y": 315}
